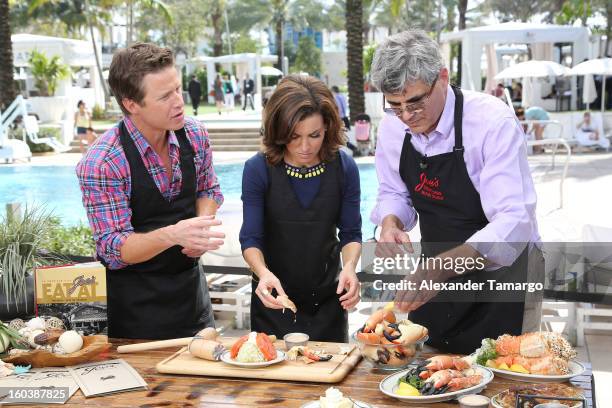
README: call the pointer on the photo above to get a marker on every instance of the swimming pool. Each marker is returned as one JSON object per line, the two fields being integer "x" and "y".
{"x": 57, "y": 188}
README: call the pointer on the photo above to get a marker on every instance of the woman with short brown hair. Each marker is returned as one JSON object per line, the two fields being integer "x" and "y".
{"x": 297, "y": 193}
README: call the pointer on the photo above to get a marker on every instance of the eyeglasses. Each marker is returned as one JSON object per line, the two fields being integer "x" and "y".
{"x": 412, "y": 108}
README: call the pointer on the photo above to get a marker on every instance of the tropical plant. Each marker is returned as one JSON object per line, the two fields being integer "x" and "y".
{"x": 77, "y": 15}
{"x": 368, "y": 57}
{"x": 20, "y": 242}
{"x": 68, "y": 240}
{"x": 242, "y": 43}
{"x": 354, "y": 54}
{"x": 274, "y": 15}
{"x": 183, "y": 37}
{"x": 308, "y": 56}
{"x": 47, "y": 72}
{"x": 6, "y": 56}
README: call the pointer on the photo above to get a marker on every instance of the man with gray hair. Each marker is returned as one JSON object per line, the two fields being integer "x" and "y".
{"x": 457, "y": 160}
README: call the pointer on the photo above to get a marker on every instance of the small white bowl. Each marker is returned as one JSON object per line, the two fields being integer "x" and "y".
{"x": 300, "y": 339}
{"x": 477, "y": 401}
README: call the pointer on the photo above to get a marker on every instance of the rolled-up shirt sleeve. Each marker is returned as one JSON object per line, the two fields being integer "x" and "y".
{"x": 506, "y": 193}
{"x": 207, "y": 182}
{"x": 393, "y": 197}
{"x": 106, "y": 201}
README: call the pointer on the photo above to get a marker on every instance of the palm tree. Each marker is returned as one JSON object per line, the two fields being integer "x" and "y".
{"x": 279, "y": 18}
{"x": 151, "y": 5}
{"x": 7, "y": 85}
{"x": 83, "y": 14}
{"x": 246, "y": 14}
{"x": 462, "y": 9}
{"x": 216, "y": 18}
{"x": 354, "y": 54}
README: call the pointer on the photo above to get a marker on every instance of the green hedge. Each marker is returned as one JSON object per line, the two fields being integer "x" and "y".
{"x": 75, "y": 240}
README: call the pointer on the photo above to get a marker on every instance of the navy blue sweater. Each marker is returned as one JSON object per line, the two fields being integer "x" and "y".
{"x": 255, "y": 184}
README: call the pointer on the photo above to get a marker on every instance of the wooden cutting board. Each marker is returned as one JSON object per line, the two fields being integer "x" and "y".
{"x": 332, "y": 371}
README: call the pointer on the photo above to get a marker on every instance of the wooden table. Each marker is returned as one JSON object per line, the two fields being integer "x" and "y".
{"x": 190, "y": 391}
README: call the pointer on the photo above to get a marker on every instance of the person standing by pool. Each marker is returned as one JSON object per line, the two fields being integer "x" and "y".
{"x": 195, "y": 93}
{"x": 151, "y": 194}
{"x": 455, "y": 160}
{"x": 342, "y": 106}
{"x": 218, "y": 93}
{"x": 296, "y": 194}
{"x": 82, "y": 122}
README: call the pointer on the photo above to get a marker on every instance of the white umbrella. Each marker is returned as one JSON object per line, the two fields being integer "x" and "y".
{"x": 589, "y": 93}
{"x": 271, "y": 71}
{"x": 599, "y": 66}
{"x": 532, "y": 69}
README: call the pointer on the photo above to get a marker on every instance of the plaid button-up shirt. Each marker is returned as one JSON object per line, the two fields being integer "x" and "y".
{"x": 104, "y": 178}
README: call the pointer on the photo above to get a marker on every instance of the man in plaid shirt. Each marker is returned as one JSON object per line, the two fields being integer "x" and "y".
{"x": 151, "y": 195}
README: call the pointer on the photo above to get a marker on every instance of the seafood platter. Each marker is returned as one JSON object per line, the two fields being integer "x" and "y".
{"x": 439, "y": 378}
{"x": 531, "y": 357}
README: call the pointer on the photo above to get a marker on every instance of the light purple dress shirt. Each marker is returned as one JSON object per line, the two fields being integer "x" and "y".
{"x": 496, "y": 160}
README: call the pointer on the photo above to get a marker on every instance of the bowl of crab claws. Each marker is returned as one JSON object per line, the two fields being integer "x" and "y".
{"x": 388, "y": 344}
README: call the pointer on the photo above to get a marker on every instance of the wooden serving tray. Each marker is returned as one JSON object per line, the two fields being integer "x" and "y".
{"x": 332, "y": 371}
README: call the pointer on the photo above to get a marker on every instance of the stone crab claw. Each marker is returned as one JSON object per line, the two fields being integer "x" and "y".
{"x": 302, "y": 351}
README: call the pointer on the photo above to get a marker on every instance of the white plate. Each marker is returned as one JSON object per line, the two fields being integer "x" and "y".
{"x": 225, "y": 357}
{"x": 388, "y": 385}
{"x": 575, "y": 367}
{"x": 315, "y": 404}
{"x": 496, "y": 404}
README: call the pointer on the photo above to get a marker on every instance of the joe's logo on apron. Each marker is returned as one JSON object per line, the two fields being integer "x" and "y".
{"x": 429, "y": 188}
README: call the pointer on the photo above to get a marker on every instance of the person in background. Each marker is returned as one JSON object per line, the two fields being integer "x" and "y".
{"x": 517, "y": 92}
{"x": 82, "y": 121}
{"x": 342, "y": 106}
{"x": 91, "y": 136}
{"x": 151, "y": 195}
{"x": 538, "y": 114}
{"x": 248, "y": 87}
{"x": 588, "y": 135}
{"x": 195, "y": 93}
{"x": 301, "y": 198}
{"x": 498, "y": 92}
{"x": 217, "y": 86}
{"x": 228, "y": 91}
{"x": 237, "y": 90}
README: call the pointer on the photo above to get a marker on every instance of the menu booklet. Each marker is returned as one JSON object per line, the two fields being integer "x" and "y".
{"x": 107, "y": 377}
{"x": 52, "y": 385}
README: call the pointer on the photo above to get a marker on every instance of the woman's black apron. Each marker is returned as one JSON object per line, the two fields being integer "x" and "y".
{"x": 302, "y": 249}
{"x": 450, "y": 212}
{"x": 163, "y": 297}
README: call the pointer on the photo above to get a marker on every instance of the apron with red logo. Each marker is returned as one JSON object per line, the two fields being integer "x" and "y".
{"x": 450, "y": 212}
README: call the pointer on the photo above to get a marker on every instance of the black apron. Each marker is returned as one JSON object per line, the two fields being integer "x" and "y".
{"x": 450, "y": 212}
{"x": 163, "y": 297}
{"x": 302, "y": 249}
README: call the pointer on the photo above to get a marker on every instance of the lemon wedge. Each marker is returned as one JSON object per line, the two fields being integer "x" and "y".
{"x": 491, "y": 363}
{"x": 407, "y": 390}
{"x": 519, "y": 369}
{"x": 503, "y": 366}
